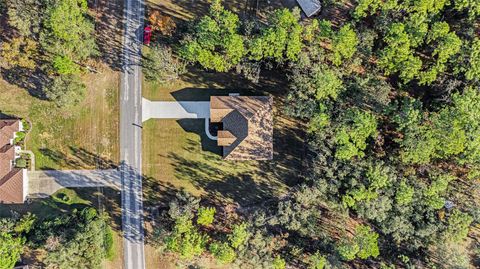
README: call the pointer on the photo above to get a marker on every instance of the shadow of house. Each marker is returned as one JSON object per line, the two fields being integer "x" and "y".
{"x": 197, "y": 126}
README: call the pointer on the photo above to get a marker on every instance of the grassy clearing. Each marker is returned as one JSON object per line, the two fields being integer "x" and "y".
{"x": 81, "y": 137}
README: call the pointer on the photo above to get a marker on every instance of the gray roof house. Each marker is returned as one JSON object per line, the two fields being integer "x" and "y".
{"x": 310, "y": 7}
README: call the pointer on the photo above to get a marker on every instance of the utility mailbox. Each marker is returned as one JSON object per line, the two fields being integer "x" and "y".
{"x": 147, "y": 34}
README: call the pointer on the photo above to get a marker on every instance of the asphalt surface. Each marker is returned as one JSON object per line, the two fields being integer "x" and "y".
{"x": 131, "y": 138}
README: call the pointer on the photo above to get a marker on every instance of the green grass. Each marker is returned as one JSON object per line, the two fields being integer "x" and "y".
{"x": 68, "y": 197}
{"x": 54, "y": 205}
{"x": 78, "y": 137}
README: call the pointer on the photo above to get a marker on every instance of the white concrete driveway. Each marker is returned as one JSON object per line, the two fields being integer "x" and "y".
{"x": 175, "y": 110}
{"x": 47, "y": 182}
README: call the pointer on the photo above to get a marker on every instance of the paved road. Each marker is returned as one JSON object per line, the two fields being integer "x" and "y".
{"x": 46, "y": 182}
{"x": 175, "y": 110}
{"x": 130, "y": 138}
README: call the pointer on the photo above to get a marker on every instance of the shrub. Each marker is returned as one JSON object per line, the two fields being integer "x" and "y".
{"x": 109, "y": 247}
{"x": 205, "y": 215}
{"x": 239, "y": 235}
{"x": 21, "y": 163}
{"x": 279, "y": 263}
{"x": 65, "y": 91}
{"x": 223, "y": 252}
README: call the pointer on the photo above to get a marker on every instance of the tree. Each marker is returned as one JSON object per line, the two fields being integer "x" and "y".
{"x": 367, "y": 240}
{"x": 398, "y": 56}
{"x": 65, "y": 65}
{"x": 352, "y": 134}
{"x": 19, "y": 52}
{"x": 239, "y": 235}
{"x": 279, "y": 263}
{"x": 344, "y": 44}
{"x": 215, "y": 43}
{"x": 446, "y": 44}
{"x": 472, "y": 6}
{"x": 160, "y": 65}
{"x": 404, "y": 194}
{"x": 363, "y": 245}
{"x": 65, "y": 90}
{"x": 317, "y": 261}
{"x": 186, "y": 239}
{"x": 10, "y": 250}
{"x": 473, "y": 71}
{"x": 320, "y": 81}
{"x": 84, "y": 241}
{"x": 163, "y": 23}
{"x": 223, "y": 252}
{"x": 25, "y": 15}
{"x": 73, "y": 40}
{"x": 458, "y": 225}
{"x": 206, "y": 215}
{"x": 434, "y": 192}
{"x": 366, "y": 7}
{"x": 281, "y": 40}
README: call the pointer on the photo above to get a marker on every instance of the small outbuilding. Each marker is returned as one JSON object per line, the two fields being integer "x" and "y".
{"x": 310, "y": 7}
{"x": 247, "y": 122}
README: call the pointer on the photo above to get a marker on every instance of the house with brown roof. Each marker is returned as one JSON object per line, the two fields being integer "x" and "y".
{"x": 247, "y": 126}
{"x": 13, "y": 180}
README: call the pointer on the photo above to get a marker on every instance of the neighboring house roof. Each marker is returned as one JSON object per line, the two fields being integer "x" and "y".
{"x": 247, "y": 126}
{"x": 11, "y": 178}
{"x": 310, "y": 7}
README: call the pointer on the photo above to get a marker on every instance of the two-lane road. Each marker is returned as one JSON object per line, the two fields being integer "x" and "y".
{"x": 131, "y": 138}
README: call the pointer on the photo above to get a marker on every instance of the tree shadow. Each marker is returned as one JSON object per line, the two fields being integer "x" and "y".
{"x": 109, "y": 29}
{"x": 80, "y": 158}
{"x": 32, "y": 80}
{"x": 221, "y": 185}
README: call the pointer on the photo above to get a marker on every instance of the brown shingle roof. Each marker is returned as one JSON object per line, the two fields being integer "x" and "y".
{"x": 11, "y": 178}
{"x": 249, "y": 119}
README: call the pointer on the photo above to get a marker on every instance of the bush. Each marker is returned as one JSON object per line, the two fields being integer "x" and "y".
{"x": 65, "y": 91}
{"x": 21, "y": 163}
{"x": 20, "y": 136}
{"x": 109, "y": 247}
{"x": 206, "y": 215}
{"x": 239, "y": 235}
{"x": 223, "y": 252}
{"x": 279, "y": 263}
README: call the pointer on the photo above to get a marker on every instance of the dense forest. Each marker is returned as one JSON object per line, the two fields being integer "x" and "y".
{"x": 81, "y": 239}
{"x": 391, "y": 97}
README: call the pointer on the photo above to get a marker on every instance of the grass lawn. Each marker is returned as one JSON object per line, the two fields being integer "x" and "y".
{"x": 82, "y": 137}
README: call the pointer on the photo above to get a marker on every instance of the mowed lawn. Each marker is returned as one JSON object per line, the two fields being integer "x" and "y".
{"x": 178, "y": 155}
{"x": 81, "y": 137}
